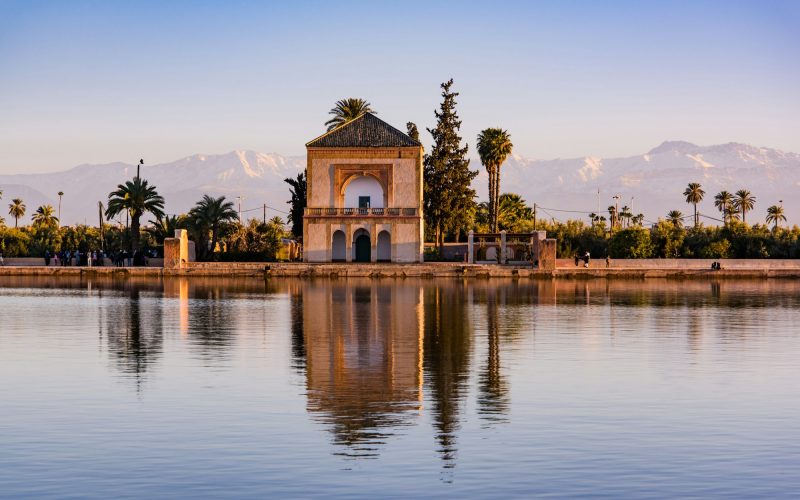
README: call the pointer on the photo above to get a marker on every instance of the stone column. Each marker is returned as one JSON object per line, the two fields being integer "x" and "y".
{"x": 471, "y": 247}
{"x": 373, "y": 241}
{"x": 348, "y": 243}
{"x": 503, "y": 247}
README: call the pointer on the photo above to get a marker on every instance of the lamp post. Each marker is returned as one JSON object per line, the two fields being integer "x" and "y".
{"x": 616, "y": 211}
{"x": 60, "y": 194}
{"x": 138, "y": 165}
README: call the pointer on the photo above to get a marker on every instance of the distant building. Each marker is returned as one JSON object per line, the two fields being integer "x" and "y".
{"x": 364, "y": 200}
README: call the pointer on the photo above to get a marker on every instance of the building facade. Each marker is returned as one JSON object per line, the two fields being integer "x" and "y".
{"x": 364, "y": 195}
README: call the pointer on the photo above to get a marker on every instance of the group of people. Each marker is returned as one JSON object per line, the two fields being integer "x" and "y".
{"x": 585, "y": 258}
{"x": 73, "y": 258}
{"x": 119, "y": 258}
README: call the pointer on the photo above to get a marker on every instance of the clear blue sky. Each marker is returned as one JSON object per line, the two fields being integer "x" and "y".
{"x": 101, "y": 81}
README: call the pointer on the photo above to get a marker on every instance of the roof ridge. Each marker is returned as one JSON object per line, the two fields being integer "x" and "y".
{"x": 369, "y": 131}
{"x": 342, "y": 125}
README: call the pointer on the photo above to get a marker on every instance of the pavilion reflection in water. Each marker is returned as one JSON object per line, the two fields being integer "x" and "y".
{"x": 363, "y": 345}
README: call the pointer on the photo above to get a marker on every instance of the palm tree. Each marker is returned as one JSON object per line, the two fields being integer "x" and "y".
{"x": 45, "y": 216}
{"x": 136, "y": 197}
{"x": 512, "y": 210}
{"x": 209, "y": 213}
{"x": 16, "y": 209}
{"x": 775, "y": 214}
{"x": 164, "y": 227}
{"x": 625, "y": 216}
{"x": 347, "y": 110}
{"x": 724, "y": 202}
{"x": 612, "y": 213}
{"x": 494, "y": 146}
{"x": 676, "y": 217}
{"x": 694, "y": 195}
{"x": 743, "y": 202}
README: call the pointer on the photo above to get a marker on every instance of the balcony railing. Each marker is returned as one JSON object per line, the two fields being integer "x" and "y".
{"x": 361, "y": 212}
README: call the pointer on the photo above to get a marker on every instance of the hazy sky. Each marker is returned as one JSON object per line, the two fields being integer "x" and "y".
{"x": 102, "y": 81}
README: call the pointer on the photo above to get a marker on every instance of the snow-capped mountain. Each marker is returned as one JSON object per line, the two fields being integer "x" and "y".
{"x": 655, "y": 180}
{"x": 257, "y": 177}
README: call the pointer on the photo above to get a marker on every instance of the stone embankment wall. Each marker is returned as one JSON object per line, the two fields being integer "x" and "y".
{"x": 684, "y": 264}
{"x": 39, "y": 261}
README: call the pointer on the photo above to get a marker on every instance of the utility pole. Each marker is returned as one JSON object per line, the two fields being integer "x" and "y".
{"x": 240, "y": 208}
{"x": 265, "y": 213}
{"x": 102, "y": 235}
{"x": 534, "y": 216}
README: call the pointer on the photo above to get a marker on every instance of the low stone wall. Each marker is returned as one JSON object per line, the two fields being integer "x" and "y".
{"x": 684, "y": 264}
{"x": 39, "y": 261}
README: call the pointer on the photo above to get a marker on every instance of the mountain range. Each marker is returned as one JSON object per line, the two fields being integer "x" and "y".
{"x": 651, "y": 183}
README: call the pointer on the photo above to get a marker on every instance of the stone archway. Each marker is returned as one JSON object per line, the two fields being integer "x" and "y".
{"x": 384, "y": 246}
{"x": 338, "y": 246}
{"x": 362, "y": 246}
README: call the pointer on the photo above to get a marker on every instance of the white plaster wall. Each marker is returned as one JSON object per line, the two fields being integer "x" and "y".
{"x": 316, "y": 245}
{"x": 405, "y": 241}
{"x": 363, "y": 186}
{"x": 406, "y": 189}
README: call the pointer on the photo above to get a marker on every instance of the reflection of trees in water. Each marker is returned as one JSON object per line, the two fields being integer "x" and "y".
{"x": 135, "y": 337}
{"x": 448, "y": 337}
{"x": 361, "y": 344}
{"x": 296, "y": 326}
{"x": 212, "y": 322}
{"x": 493, "y": 399}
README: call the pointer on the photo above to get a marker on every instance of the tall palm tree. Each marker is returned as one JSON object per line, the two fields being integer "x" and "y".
{"x": 743, "y": 202}
{"x": 16, "y": 209}
{"x": 625, "y": 216}
{"x": 136, "y": 197}
{"x": 45, "y": 216}
{"x": 724, "y": 202}
{"x": 613, "y": 216}
{"x": 676, "y": 217}
{"x": 494, "y": 146}
{"x": 694, "y": 195}
{"x": 209, "y": 213}
{"x": 775, "y": 215}
{"x": 347, "y": 110}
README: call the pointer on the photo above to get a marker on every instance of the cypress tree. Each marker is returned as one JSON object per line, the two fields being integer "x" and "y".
{"x": 449, "y": 197}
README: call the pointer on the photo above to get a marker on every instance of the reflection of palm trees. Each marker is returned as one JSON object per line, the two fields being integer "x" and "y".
{"x": 493, "y": 401}
{"x": 447, "y": 355}
{"x": 211, "y": 324}
{"x": 134, "y": 346}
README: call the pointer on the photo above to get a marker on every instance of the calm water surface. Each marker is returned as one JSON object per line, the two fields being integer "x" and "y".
{"x": 376, "y": 389}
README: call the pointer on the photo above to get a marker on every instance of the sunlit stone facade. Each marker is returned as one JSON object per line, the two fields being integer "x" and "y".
{"x": 364, "y": 199}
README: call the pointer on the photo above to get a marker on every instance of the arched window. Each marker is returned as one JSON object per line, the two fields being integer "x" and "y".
{"x": 363, "y": 192}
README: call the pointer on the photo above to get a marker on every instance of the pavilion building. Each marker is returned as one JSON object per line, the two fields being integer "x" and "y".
{"x": 364, "y": 195}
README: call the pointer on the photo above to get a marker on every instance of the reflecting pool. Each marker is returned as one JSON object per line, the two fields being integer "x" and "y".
{"x": 398, "y": 388}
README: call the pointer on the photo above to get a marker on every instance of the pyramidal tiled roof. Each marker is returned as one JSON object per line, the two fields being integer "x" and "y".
{"x": 365, "y": 131}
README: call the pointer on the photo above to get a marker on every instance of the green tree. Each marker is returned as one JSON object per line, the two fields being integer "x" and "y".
{"x": 164, "y": 227}
{"x": 137, "y": 197}
{"x": 694, "y": 194}
{"x": 208, "y": 215}
{"x": 775, "y": 215}
{"x": 413, "y": 131}
{"x": 16, "y": 209}
{"x": 298, "y": 202}
{"x": 256, "y": 240}
{"x": 675, "y": 217}
{"x": 347, "y": 110}
{"x": 631, "y": 243}
{"x": 494, "y": 146}
{"x": 744, "y": 202}
{"x": 513, "y": 213}
{"x": 45, "y": 216}
{"x": 724, "y": 203}
{"x": 449, "y": 198}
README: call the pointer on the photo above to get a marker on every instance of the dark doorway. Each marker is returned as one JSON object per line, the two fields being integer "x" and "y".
{"x": 363, "y": 248}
